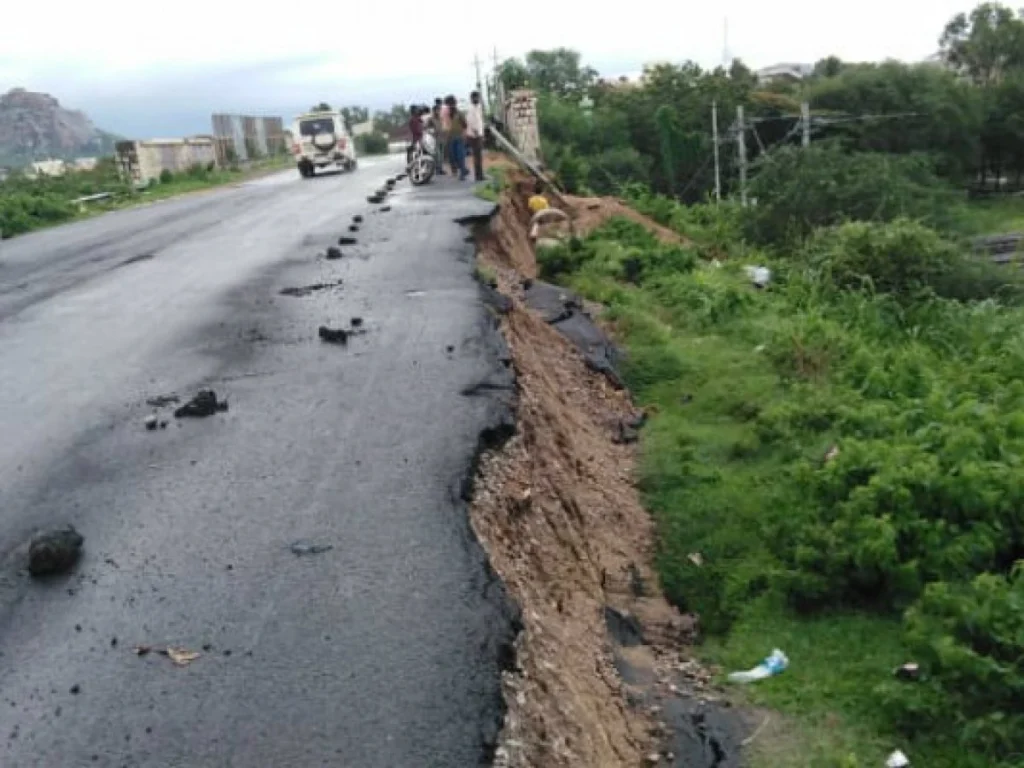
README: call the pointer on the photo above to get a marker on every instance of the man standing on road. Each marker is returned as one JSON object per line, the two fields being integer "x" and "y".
{"x": 441, "y": 125}
{"x": 458, "y": 139}
{"x": 475, "y": 133}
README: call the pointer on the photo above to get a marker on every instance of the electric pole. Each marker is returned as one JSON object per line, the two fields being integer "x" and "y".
{"x": 476, "y": 64}
{"x": 718, "y": 172}
{"x": 741, "y": 147}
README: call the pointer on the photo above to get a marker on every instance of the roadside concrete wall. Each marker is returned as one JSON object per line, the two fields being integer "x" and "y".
{"x": 523, "y": 127}
{"x": 142, "y": 161}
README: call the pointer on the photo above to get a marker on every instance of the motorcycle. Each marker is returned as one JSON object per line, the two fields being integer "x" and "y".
{"x": 423, "y": 160}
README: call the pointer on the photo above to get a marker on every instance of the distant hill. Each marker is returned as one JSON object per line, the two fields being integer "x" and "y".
{"x": 34, "y": 126}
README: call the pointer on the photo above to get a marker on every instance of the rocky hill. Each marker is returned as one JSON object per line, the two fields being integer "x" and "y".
{"x": 34, "y": 126}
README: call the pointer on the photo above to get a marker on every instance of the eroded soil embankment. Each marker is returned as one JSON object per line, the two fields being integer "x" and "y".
{"x": 556, "y": 511}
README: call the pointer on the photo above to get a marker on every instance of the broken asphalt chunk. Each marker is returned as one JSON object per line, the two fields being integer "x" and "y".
{"x": 356, "y": 322}
{"x": 333, "y": 252}
{"x": 54, "y": 551}
{"x": 353, "y": 227}
{"x": 205, "y": 403}
{"x": 333, "y": 335}
{"x": 346, "y": 240}
{"x": 385, "y": 208}
{"x": 151, "y": 422}
{"x": 357, "y": 219}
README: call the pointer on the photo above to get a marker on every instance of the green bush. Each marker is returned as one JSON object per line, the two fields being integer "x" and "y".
{"x": 612, "y": 168}
{"x": 798, "y": 190}
{"x": 372, "y": 144}
{"x": 969, "y": 640}
{"x": 906, "y": 258}
{"x": 569, "y": 168}
{"x": 166, "y": 176}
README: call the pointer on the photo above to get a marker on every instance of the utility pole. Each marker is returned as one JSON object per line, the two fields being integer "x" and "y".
{"x": 741, "y": 147}
{"x": 805, "y": 121}
{"x": 476, "y": 63}
{"x": 499, "y": 96}
{"x": 718, "y": 172}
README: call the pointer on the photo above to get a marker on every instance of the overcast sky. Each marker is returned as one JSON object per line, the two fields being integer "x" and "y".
{"x": 138, "y": 75}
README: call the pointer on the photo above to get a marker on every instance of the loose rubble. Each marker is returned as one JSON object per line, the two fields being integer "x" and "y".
{"x": 333, "y": 252}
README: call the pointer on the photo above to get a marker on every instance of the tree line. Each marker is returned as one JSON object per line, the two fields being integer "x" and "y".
{"x": 964, "y": 111}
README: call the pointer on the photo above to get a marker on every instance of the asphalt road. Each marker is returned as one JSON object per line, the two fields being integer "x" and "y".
{"x": 385, "y": 650}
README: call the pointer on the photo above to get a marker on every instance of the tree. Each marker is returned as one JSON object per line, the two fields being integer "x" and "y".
{"x": 513, "y": 74}
{"x": 830, "y": 66}
{"x": 931, "y": 111}
{"x": 354, "y": 115}
{"x": 985, "y": 45}
{"x": 323, "y": 106}
{"x": 558, "y": 71}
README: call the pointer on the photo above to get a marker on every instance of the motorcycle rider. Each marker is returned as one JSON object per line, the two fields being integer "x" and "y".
{"x": 416, "y": 131}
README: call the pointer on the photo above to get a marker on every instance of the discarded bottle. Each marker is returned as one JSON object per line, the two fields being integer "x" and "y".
{"x": 771, "y": 666}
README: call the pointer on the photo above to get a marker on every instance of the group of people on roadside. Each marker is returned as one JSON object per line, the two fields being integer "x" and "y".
{"x": 457, "y": 132}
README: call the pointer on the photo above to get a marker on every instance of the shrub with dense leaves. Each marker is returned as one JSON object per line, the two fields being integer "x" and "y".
{"x": 969, "y": 640}
{"x": 798, "y": 190}
{"x": 372, "y": 144}
{"x": 906, "y": 258}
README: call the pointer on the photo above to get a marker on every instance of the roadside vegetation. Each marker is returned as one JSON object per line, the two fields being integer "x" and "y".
{"x": 28, "y": 204}
{"x": 833, "y": 460}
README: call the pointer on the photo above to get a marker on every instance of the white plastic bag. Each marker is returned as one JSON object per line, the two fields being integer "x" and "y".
{"x": 771, "y": 666}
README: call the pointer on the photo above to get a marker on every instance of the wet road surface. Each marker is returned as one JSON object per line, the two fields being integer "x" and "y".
{"x": 383, "y": 650}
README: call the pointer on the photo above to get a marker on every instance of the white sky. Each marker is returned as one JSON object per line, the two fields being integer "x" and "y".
{"x": 136, "y": 66}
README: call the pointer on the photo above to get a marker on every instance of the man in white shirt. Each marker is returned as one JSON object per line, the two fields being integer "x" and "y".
{"x": 475, "y": 133}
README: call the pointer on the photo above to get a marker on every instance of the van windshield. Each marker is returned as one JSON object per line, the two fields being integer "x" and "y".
{"x": 317, "y": 125}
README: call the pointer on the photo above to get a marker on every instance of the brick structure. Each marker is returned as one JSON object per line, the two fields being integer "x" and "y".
{"x": 523, "y": 127}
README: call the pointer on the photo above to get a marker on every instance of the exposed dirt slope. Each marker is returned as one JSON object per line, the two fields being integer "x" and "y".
{"x": 559, "y": 516}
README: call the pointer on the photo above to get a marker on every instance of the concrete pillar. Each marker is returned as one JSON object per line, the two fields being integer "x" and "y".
{"x": 523, "y": 127}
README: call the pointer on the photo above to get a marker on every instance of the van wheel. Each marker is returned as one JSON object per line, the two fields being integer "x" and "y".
{"x": 305, "y": 170}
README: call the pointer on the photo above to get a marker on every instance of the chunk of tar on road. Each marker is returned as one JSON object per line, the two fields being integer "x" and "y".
{"x": 333, "y": 252}
{"x": 55, "y": 551}
{"x": 205, "y": 403}
{"x": 333, "y": 335}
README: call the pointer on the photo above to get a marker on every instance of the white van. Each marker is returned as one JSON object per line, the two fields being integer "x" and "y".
{"x": 321, "y": 140}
